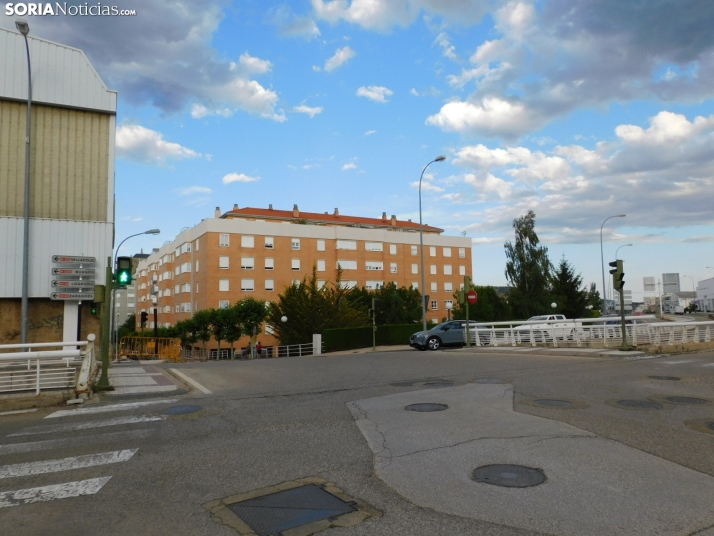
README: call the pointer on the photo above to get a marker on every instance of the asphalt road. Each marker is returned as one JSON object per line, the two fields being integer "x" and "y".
{"x": 266, "y": 422}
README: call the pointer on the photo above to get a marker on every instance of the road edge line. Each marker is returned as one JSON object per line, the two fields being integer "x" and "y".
{"x": 191, "y": 381}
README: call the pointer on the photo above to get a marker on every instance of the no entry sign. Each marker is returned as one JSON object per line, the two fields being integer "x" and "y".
{"x": 472, "y": 297}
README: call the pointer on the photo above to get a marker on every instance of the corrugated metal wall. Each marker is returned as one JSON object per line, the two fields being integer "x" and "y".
{"x": 70, "y": 162}
{"x": 47, "y": 238}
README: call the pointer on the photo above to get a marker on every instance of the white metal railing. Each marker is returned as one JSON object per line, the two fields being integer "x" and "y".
{"x": 47, "y": 369}
{"x": 291, "y": 350}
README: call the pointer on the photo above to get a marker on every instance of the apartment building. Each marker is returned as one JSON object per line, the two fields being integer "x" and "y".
{"x": 259, "y": 252}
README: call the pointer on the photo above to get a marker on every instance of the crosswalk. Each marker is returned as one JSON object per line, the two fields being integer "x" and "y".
{"x": 86, "y": 426}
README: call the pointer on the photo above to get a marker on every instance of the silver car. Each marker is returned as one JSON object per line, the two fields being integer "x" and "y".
{"x": 446, "y": 334}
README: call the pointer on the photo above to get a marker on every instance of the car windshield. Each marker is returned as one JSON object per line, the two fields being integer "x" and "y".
{"x": 441, "y": 325}
{"x": 538, "y": 318}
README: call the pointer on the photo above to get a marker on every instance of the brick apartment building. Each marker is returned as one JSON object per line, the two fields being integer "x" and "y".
{"x": 259, "y": 252}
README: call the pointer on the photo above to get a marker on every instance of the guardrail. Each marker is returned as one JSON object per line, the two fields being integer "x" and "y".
{"x": 292, "y": 350}
{"x": 47, "y": 369}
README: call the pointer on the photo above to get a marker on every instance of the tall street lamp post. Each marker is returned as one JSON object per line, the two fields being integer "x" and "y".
{"x": 618, "y": 250}
{"x": 602, "y": 264}
{"x": 421, "y": 244}
{"x": 690, "y": 277}
{"x": 24, "y": 29}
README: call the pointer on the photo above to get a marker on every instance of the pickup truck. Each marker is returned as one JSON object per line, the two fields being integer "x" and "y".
{"x": 546, "y": 327}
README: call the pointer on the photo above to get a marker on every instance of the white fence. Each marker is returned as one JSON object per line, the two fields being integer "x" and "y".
{"x": 292, "y": 350}
{"x": 46, "y": 370}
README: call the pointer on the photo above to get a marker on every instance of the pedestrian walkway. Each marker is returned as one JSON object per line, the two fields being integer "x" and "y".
{"x": 131, "y": 379}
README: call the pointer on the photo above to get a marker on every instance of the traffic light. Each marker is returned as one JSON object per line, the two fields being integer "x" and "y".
{"x": 93, "y": 308}
{"x": 618, "y": 281}
{"x": 123, "y": 271}
{"x": 371, "y": 314}
{"x": 144, "y": 318}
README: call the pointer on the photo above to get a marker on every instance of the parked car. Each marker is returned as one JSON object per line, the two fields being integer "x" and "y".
{"x": 449, "y": 333}
{"x": 552, "y": 326}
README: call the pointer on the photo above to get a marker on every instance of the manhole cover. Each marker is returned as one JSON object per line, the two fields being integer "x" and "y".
{"x": 439, "y": 384}
{"x": 639, "y": 404}
{"x": 182, "y": 410}
{"x": 426, "y": 407}
{"x": 553, "y": 403}
{"x": 686, "y": 400}
{"x": 402, "y": 384}
{"x": 509, "y": 476}
{"x": 272, "y": 514}
{"x": 668, "y": 378}
{"x": 489, "y": 380}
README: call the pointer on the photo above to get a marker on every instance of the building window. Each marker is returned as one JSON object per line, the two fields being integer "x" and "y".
{"x": 224, "y": 304}
{"x": 374, "y": 285}
{"x": 186, "y": 248}
{"x": 269, "y": 284}
{"x": 269, "y": 242}
{"x": 321, "y": 284}
{"x": 247, "y": 241}
{"x": 447, "y": 252}
{"x": 415, "y": 268}
{"x": 296, "y": 264}
{"x": 447, "y": 269}
{"x": 247, "y": 285}
{"x": 130, "y": 305}
{"x": 392, "y": 267}
{"x": 223, "y": 262}
{"x": 177, "y": 289}
{"x": 198, "y": 244}
{"x": 185, "y": 267}
{"x": 197, "y": 266}
{"x": 375, "y": 265}
{"x": 247, "y": 263}
{"x": 177, "y": 271}
{"x": 462, "y": 270}
{"x": 196, "y": 286}
{"x": 176, "y": 308}
{"x": 321, "y": 266}
{"x": 224, "y": 285}
{"x": 373, "y": 246}
{"x": 392, "y": 249}
{"x": 320, "y": 245}
{"x": 348, "y": 284}
{"x": 461, "y": 286}
{"x": 432, "y": 251}
{"x": 448, "y": 287}
{"x": 129, "y": 295}
{"x": 434, "y": 287}
{"x": 225, "y": 240}
{"x": 269, "y": 330}
{"x": 415, "y": 285}
{"x": 462, "y": 253}
{"x": 347, "y": 265}
{"x": 295, "y": 243}
{"x": 186, "y": 287}
{"x": 269, "y": 263}
{"x": 347, "y": 244}
{"x": 414, "y": 250}
{"x": 296, "y": 282}
{"x": 434, "y": 305}
{"x": 177, "y": 252}
{"x": 432, "y": 269}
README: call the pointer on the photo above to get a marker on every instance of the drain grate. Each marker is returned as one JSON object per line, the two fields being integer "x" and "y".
{"x": 639, "y": 404}
{"x": 426, "y": 407}
{"x": 668, "y": 378}
{"x": 508, "y": 476}
{"x": 489, "y": 380}
{"x": 271, "y": 514}
{"x": 439, "y": 384}
{"x": 182, "y": 410}
{"x": 402, "y": 384}
{"x": 685, "y": 400}
{"x": 553, "y": 403}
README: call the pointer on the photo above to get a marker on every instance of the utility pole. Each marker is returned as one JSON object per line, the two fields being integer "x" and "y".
{"x": 373, "y": 314}
{"x": 467, "y": 288}
{"x": 106, "y": 313}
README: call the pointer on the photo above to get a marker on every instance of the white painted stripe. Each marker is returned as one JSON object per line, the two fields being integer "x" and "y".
{"x": 105, "y": 409}
{"x": 142, "y": 389}
{"x": 191, "y": 381}
{"x": 19, "y": 410}
{"x": 65, "y": 464}
{"x": 87, "y": 425}
{"x": 708, "y": 365}
{"x": 50, "y": 493}
{"x": 68, "y": 442}
{"x": 677, "y": 362}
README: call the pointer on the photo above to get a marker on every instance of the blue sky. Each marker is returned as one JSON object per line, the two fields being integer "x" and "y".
{"x": 578, "y": 110}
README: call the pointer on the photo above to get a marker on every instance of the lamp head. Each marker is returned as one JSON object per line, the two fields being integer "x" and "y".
{"x": 283, "y": 318}
{"x": 554, "y": 305}
{"x": 153, "y": 231}
{"x": 621, "y": 215}
{"x": 440, "y": 158}
{"x": 22, "y": 26}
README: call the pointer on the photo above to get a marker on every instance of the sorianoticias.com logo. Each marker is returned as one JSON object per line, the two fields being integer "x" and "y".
{"x": 41, "y": 9}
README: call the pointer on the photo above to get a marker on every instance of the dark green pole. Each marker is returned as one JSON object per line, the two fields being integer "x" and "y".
{"x": 374, "y": 326}
{"x": 106, "y": 322}
{"x": 624, "y": 346}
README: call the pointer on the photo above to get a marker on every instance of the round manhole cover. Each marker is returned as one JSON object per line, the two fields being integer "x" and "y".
{"x": 426, "y": 407}
{"x": 401, "y": 384}
{"x": 182, "y": 410}
{"x": 489, "y": 380}
{"x": 668, "y": 378}
{"x": 639, "y": 404}
{"x": 686, "y": 400}
{"x": 439, "y": 384}
{"x": 553, "y": 403}
{"x": 509, "y": 476}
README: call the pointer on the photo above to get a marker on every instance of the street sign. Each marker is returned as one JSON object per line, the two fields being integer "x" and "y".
{"x": 472, "y": 297}
{"x": 73, "y": 271}
{"x": 70, "y": 258}
{"x": 85, "y": 283}
{"x": 72, "y": 295}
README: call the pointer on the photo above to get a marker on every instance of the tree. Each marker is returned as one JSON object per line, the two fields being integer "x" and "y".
{"x": 394, "y": 306}
{"x": 568, "y": 293}
{"x": 234, "y": 326}
{"x": 186, "y": 331}
{"x": 490, "y": 306}
{"x": 594, "y": 298}
{"x": 202, "y": 327}
{"x": 527, "y": 270}
{"x": 217, "y": 326}
{"x": 251, "y": 314}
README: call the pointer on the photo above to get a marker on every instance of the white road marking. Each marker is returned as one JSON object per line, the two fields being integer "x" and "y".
{"x": 677, "y": 362}
{"x": 67, "y": 442}
{"x": 18, "y": 411}
{"x": 87, "y": 425}
{"x": 708, "y": 365}
{"x": 50, "y": 493}
{"x": 65, "y": 464}
{"x": 191, "y": 381}
{"x": 105, "y": 409}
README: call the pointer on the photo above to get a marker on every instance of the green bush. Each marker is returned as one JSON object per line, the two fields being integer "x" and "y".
{"x": 351, "y": 338}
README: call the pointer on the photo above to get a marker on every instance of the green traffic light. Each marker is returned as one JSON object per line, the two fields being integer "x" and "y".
{"x": 123, "y": 277}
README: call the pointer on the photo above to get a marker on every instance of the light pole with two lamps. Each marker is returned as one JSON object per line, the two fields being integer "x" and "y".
{"x": 421, "y": 244}
{"x": 602, "y": 263}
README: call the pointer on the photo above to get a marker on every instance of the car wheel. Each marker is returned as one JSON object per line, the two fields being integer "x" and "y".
{"x": 434, "y": 343}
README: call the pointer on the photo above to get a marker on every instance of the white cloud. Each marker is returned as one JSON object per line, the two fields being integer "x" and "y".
{"x": 311, "y": 111}
{"x": 238, "y": 177}
{"x": 292, "y": 25}
{"x": 311, "y": 166}
{"x": 341, "y": 56}
{"x": 252, "y": 65}
{"x": 193, "y": 190}
{"x": 148, "y": 146}
{"x": 316, "y": 68}
{"x": 375, "y": 93}
{"x": 448, "y": 50}
{"x": 370, "y": 132}
{"x": 349, "y": 165}
{"x": 199, "y": 111}
{"x": 427, "y": 186}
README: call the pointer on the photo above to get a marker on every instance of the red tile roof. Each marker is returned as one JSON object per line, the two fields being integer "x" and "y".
{"x": 269, "y": 213}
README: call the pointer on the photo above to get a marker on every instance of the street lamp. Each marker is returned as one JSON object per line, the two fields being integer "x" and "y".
{"x": 602, "y": 264}
{"x": 690, "y": 277}
{"x": 449, "y": 307}
{"x": 421, "y": 244}
{"x": 618, "y": 249}
{"x": 24, "y": 29}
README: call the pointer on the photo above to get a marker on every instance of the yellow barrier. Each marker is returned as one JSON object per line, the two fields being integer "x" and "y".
{"x": 146, "y": 347}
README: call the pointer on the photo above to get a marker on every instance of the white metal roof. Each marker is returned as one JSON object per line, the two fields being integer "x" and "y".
{"x": 61, "y": 75}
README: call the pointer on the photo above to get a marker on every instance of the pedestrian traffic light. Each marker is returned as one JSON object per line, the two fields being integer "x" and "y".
{"x": 618, "y": 281}
{"x": 123, "y": 271}
{"x": 371, "y": 314}
{"x": 93, "y": 308}
{"x": 144, "y": 318}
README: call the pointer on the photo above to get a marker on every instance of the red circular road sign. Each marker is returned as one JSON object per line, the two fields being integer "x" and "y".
{"x": 472, "y": 296}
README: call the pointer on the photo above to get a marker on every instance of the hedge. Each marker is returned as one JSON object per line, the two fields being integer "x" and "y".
{"x": 336, "y": 339}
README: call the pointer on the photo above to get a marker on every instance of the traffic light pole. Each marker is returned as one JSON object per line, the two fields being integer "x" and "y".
{"x": 624, "y": 346}
{"x": 106, "y": 314}
{"x": 374, "y": 326}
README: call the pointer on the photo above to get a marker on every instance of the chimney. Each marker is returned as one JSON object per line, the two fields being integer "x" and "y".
{"x": 296, "y": 212}
{"x": 384, "y": 216}
{"x": 394, "y": 220}
{"x": 270, "y": 206}
{"x": 218, "y": 212}
{"x": 235, "y": 206}
{"x": 337, "y": 213}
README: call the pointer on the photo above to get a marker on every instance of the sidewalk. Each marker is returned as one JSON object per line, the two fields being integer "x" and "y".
{"x": 131, "y": 378}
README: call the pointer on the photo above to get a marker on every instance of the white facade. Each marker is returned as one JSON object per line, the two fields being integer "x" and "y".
{"x": 705, "y": 295}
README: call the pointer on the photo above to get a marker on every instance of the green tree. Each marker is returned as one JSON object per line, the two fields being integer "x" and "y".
{"x": 594, "y": 299}
{"x": 128, "y": 328}
{"x": 251, "y": 314}
{"x": 186, "y": 331}
{"x": 568, "y": 294}
{"x": 527, "y": 270}
{"x": 395, "y": 305}
{"x": 202, "y": 327}
{"x": 217, "y": 326}
{"x": 234, "y": 326}
{"x": 490, "y": 306}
